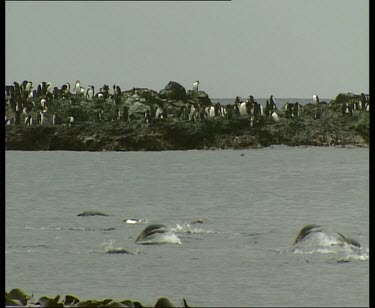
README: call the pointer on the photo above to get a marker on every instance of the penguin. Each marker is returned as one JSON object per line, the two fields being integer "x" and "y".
{"x": 27, "y": 120}
{"x": 316, "y": 99}
{"x": 49, "y": 86}
{"x": 275, "y": 116}
{"x": 99, "y": 95}
{"x": 296, "y": 109}
{"x": 125, "y": 114}
{"x": 43, "y": 103}
{"x": 55, "y": 119}
{"x": 65, "y": 88}
{"x": 77, "y": 88}
{"x": 147, "y": 116}
{"x": 43, "y": 87}
{"x": 39, "y": 90}
{"x": 90, "y": 93}
{"x": 272, "y": 104}
{"x": 70, "y": 121}
{"x": 195, "y": 86}
{"x": 28, "y": 86}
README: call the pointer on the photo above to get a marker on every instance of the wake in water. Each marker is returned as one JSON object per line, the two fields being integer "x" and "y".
{"x": 70, "y": 228}
{"x": 187, "y": 228}
{"x": 109, "y": 248}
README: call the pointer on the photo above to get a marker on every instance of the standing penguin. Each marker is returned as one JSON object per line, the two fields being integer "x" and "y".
{"x": 195, "y": 86}
{"x": 275, "y": 116}
{"x": 90, "y": 93}
{"x": 77, "y": 88}
{"x": 55, "y": 119}
{"x": 65, "y": 88}
{"x": 272, "y": 104}
{"x": 316, "y": 99}
{"x": 70, "y": 121}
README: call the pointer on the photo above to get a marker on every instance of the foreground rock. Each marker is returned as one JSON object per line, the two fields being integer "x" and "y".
{"x": 18, "y": 298}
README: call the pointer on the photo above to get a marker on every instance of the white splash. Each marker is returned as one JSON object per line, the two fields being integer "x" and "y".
{"x": 161, "y": 238}
{"x": 186, "y": 228}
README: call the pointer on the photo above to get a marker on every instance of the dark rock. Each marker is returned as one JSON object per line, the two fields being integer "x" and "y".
{"x": 163, "y": 302}
{"x": 346, "y": 97}
{"x": 199, "y": 96}
{"x": 174, "y": 91}
{"x": 71, "y": 300}
{"x": 18, "y": 295}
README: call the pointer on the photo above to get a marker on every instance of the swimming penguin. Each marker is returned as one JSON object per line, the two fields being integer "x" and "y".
{"x": 132, "y": 221}
{"x": 92, "y": 213}
{"x": 349, "y": 240}
{"x": 157, "y": 234}
{"x": 150, "y": 230}
{"x": 195, "y": 86}
{"x": 198, "y": 221}
{"x": 306, "y": 230}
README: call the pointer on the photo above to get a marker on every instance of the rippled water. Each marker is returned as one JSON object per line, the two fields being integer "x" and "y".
{"x": 253, "y": 204}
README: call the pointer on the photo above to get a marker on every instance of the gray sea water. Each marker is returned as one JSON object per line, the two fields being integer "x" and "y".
{"x": 252, "y": 202}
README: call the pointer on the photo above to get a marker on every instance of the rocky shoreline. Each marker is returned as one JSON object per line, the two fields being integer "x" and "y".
{"x": 99, "y": 125}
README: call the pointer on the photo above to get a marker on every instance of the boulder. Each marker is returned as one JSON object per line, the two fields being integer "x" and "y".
{"x": 199, "y": 96}
{"x": 173, "y": 90}
{"x": 346, "y": 98}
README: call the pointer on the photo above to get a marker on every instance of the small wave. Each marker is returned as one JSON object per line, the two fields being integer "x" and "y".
{"x": 34, "y": 228}
{"x": 311, "y": 251}
{"x": 44, "y": 228}
{"x": 28, "y": 246}
{"x": 24, "y": 251}
{"x": 71, "y": 228}
{"x": 90, "y": 229}
{"x": 186, "y": 228}
{"x": 350, "y": 258}
{"x": 110, "y": 249}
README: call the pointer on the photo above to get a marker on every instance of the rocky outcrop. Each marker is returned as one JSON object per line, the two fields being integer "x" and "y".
{"x": 318, "y": 125}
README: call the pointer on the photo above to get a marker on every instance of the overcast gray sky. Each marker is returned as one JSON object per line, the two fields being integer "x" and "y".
{"x": 288, "y": 48}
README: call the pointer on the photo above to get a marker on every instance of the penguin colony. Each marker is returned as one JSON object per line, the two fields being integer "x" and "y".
{"x": 44, "y": 104}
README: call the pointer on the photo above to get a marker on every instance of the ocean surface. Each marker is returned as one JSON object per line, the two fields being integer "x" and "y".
{"x": 252, "y": 203}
